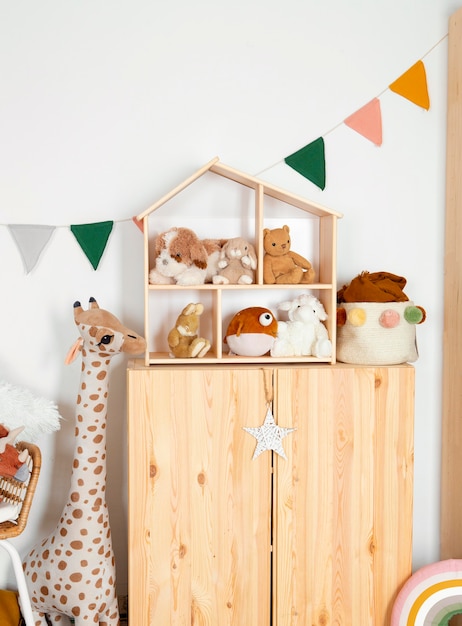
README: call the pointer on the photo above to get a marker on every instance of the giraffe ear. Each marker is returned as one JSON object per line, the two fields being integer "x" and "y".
{"x": 73, "y": 351}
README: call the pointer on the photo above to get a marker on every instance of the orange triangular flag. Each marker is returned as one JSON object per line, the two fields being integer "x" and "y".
{"x": 367, "y": 121}
{"x": 139, "y": 223}
{"x": 413, "y": 85}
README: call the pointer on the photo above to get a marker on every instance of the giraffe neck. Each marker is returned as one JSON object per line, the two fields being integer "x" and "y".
{"x": 88, "y": 480}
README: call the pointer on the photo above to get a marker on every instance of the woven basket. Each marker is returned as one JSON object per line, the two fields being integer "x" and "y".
{"x": 364, "y": 340}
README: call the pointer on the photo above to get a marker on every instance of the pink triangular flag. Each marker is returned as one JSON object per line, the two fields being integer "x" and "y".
{"x": 139, "y": 223}
{"x": 367, "y": 121}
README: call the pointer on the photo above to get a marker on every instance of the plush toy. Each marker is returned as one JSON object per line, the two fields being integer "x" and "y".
{"x": 280, "y": 264}
{"x": 182, "y": 339}
{"x": 237, "y": 263}
{"x": 11, "y": 460}
{"x": 182, "y": 258}
{"x": 251, "y": 332}
{"x": 304, "y": 334}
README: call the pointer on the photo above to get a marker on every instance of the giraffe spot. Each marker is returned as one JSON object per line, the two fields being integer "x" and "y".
{"x": 57, "y": 587}
{"x": 97, "y": 540}
{"x": 62, "y": 565}
{"x": 79, "y": 449}
{"x": 80, "y": 482}
{"x": 84, "y": 531}
{"x": 77, "y": 513}
{"x": 92, "y": 331}
{"x": 98, "y": 469}
{"x": 95, "y": 571}
{"x": 91, "y": 429}
{"x": 75, "y": 496}
{"x": 47, "y": 575}
{"x": 98, "y": 439}
{"x": 92, "y": 492}
{"x": 84, "y": 385}
{"x": 96, "y": 363}
{"x": 92, "y": 607}
{"x": 92, "y": 459}
{"x": 81, "y": 596}
{"x": 75, "y": 464}
{"x": 76, "y": 577}
{"x": 98, "y": 408}
{"x": 100, "y": 519}
{"x": 68, "y": 553}
{"x": 101, "y": 375}
{"x": 84, "y": 563}
{"x": 63, "y": 532}
{"x": 68, "y": 586}
{"x": 99, "y": 583}
{"x": 94, "y": 396}
{"x": 101, "y": 550}
{"x": 79, "y": 399}
{"x": 34, "y": 577}
{"x": 44, "y": 590}
{"x": 76, "y": 545}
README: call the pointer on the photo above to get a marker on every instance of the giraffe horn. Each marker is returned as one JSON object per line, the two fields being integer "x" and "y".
{"x": 93, "y": 304}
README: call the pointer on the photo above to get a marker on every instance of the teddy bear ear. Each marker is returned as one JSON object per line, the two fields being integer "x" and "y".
{"x": 286, "y": 228}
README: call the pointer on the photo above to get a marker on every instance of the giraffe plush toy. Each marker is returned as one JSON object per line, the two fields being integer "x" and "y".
{"x": 72, "y": 572}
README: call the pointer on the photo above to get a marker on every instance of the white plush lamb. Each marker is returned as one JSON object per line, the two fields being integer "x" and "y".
{"x": 304, "y": 334}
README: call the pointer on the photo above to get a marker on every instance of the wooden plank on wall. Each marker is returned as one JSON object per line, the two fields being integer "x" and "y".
{"x": 451, "y": 464}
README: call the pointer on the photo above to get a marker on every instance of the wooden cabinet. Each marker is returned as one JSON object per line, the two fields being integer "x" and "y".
{"x": 321, "y": 537}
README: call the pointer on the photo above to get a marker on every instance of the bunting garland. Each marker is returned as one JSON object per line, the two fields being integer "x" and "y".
{"x": 31, "y": 241}
{"x": 93, "y": 239}
{"x": 309, "y": 161}
{"x": 367, "y": 121}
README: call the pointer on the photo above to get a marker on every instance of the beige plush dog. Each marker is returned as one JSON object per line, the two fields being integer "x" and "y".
{"x": 237, "y": 263}
{"x": 182, "y": 258}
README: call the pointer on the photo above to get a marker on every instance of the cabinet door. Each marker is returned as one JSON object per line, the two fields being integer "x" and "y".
{"x": 199, "y": 508}
{"x": 343, "y": 498}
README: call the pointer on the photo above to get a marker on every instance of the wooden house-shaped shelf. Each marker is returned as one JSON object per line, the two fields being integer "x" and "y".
{"x": 267, "y": 207}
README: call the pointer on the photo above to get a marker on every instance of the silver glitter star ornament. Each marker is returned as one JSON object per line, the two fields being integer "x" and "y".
{"x": 269, "y": 436}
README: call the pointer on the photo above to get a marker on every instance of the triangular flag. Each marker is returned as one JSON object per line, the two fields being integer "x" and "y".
{"x": 413, "y": 85}
{"x": 30, "y": 239}
{"x": 310, "y": 162}
{"x": 139, "y": 223}
{"x": 92, "y": 238}
{"x": 367, "y": 121}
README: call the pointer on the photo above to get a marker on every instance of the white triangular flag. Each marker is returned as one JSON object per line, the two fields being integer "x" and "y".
{"x": 30, "y": 239}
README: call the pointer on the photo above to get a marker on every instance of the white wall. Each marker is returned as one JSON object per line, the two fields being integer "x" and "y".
{"x": 105, "y": 106}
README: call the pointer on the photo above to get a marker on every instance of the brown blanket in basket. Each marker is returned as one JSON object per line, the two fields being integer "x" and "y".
{"x": 374, "y": 287}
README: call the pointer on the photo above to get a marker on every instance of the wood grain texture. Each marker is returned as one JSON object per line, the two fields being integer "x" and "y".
{"x": 199, "y": 508}
{"x": 343, "y": 500}
{"x": 451, "y": 466}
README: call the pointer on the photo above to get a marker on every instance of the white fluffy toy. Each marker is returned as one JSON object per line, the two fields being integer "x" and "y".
{"x": 20, "y": 407}
{"x": 304, "y": 334}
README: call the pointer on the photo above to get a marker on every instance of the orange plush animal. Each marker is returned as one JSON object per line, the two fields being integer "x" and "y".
{"x": 280, "y": 264}
{"x": 251, "y": 332}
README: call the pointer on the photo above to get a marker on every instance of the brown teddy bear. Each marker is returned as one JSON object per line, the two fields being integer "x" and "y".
{"x": 280, "y": 264}
{"x": 182, "y": 339}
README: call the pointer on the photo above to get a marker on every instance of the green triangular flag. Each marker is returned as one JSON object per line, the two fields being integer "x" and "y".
{"x": 92, "y": 238}
{"x": 310, "y": 162}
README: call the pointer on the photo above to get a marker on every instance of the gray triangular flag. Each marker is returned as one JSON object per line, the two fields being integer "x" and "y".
{"x": 31, "y": 240}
